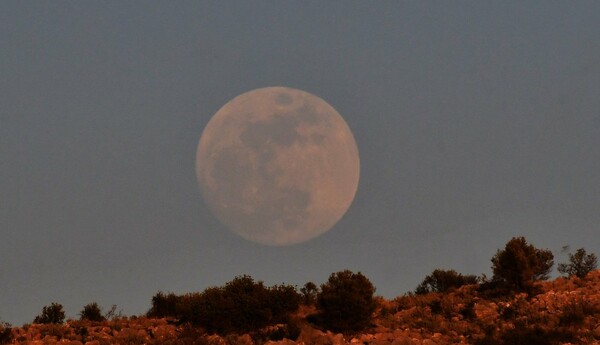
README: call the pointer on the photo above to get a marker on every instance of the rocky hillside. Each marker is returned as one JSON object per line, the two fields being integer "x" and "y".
{"x": 566, "y": 311}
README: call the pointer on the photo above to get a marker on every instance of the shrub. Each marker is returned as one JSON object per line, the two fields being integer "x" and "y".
{"x": 92, "y": 312}
{"x": 282, "y": 299}
{"x": 164, "y": 305}
{"x": 309, "y": 293}
{"x": 468, "y": 311}
{"x": 186, "y": 336}
{"x": 577, "y": 310}
{"x": 249, "y": 300}
{"x": 53, "y": 313}
{"x": 520, "y": 263}
{"x": 523, "y": 335}
{"x": 5, "y": 333}
{"x": 241, "y": 306}
{"x": 444, "y": 280}
{"x": 345, "y": 303}
{"x": 580, "y": 264}
{"x": 537, "y": 334}
{"x": 113, "y": 313}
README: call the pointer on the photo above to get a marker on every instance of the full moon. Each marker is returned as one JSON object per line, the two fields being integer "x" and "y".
{"x": 278, "y": 166}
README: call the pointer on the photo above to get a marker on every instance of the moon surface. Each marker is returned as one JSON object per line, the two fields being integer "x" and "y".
{"x": 278, "y": 166}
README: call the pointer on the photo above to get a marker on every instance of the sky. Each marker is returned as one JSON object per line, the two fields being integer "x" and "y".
{"x": 475, "y": 122}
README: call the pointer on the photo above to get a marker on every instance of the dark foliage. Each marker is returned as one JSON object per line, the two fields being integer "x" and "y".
{"x": 83, "y": 333}
{"x": 520, "y": 264}
{"x": 468, "y": 311}
{"x": 309, "y": 293}
{"x": 527, "y": 335}
{"x": 5, "y": 333}
{"x": 522, "y": 335}
{"x": 92, "y": 312}
{"x": 494, "y": 289}
{"x": 164, "y": 305}
{"x": 113, "y": 313}
{"x": 188, "y": 336}
{"x": 575, "y": 312}
{"x": 241, "y": 306}
{"x": 345, "y": 303}
{"x": 444, "y": 280}
{"x": 246, "y": 307}
{"x": 53, "y": 313}
{"x": 580, "y": 264}
{"x": 282, "y": 300}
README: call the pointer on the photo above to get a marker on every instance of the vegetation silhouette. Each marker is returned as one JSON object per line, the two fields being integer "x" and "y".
{"x": 345, "y": 302}
{"x": 580, "y": 264}
{"x": 309, "y": 293}
{"x": 5, "y": 333}
{"x": 54, "y": 313}
{"x": 242, "y": 305}
{"x": 92, "y": 312}
{"x": 519, "y": 264}
{"x": 443, "y": 280}
{"x": 514, "y": 307}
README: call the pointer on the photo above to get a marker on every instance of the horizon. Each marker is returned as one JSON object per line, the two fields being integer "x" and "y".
{"x": 474, "y": 123}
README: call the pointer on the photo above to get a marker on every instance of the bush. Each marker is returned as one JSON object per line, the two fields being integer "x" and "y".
{"x": 522, "y": 335}
{"x": 5, "y": 333}
{"x": 53, "y": 313}
{"x": 577, "y": 310}
{"x": 580, "y": 264}
{"x": 309, "y": 293}
{"x": 164, "y": 305}
{"x": 345, "y": 303}
{"x": 113, "y": 313}
{"x": 92, "y": 312}
{"x": 282, "y": 300}
{"x": 444, "y": 280}
{"x": 241, "y": 306}
{"x": 520, "y": 263}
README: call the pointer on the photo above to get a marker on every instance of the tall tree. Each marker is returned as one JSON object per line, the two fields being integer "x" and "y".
{"x": 580, "y": 264}
{"x": 520, "y": 264}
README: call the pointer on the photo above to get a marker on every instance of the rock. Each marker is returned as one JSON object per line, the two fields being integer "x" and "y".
{"x": 337, "y": 339}
{"x": 309, "y": 335}
{"x": 239, "y": 339}
{"x": 215, "y": 340}
{"x": 381, "y": 329}
{"x": 74, "y": 342}
{"x": 281, "y": 342}
{"x": 597, "y": 332}
{"x": 384, "y": 336}
{"x": 403, "y": 341}
{"x": 141, "y": 333}
{"x": 163, "y": 332}
{"x": 398, "y": 333}
{"x": 50, "y": 339}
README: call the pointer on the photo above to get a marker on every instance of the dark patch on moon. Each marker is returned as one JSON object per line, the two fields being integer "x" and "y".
{"x": 283, "y": 99}
{"x": 289, "y": 205}
{"x": 307, "y": 114}
{"x": 230, "y": 170}
{"x": 318, "y": 138}
{"x": 280, "y": 130}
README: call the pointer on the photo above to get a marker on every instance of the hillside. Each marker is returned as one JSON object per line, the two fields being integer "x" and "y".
{"x": 566, "y": 311}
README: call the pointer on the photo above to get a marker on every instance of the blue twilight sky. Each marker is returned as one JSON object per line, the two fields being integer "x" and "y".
{"x": 475, "y": 122}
